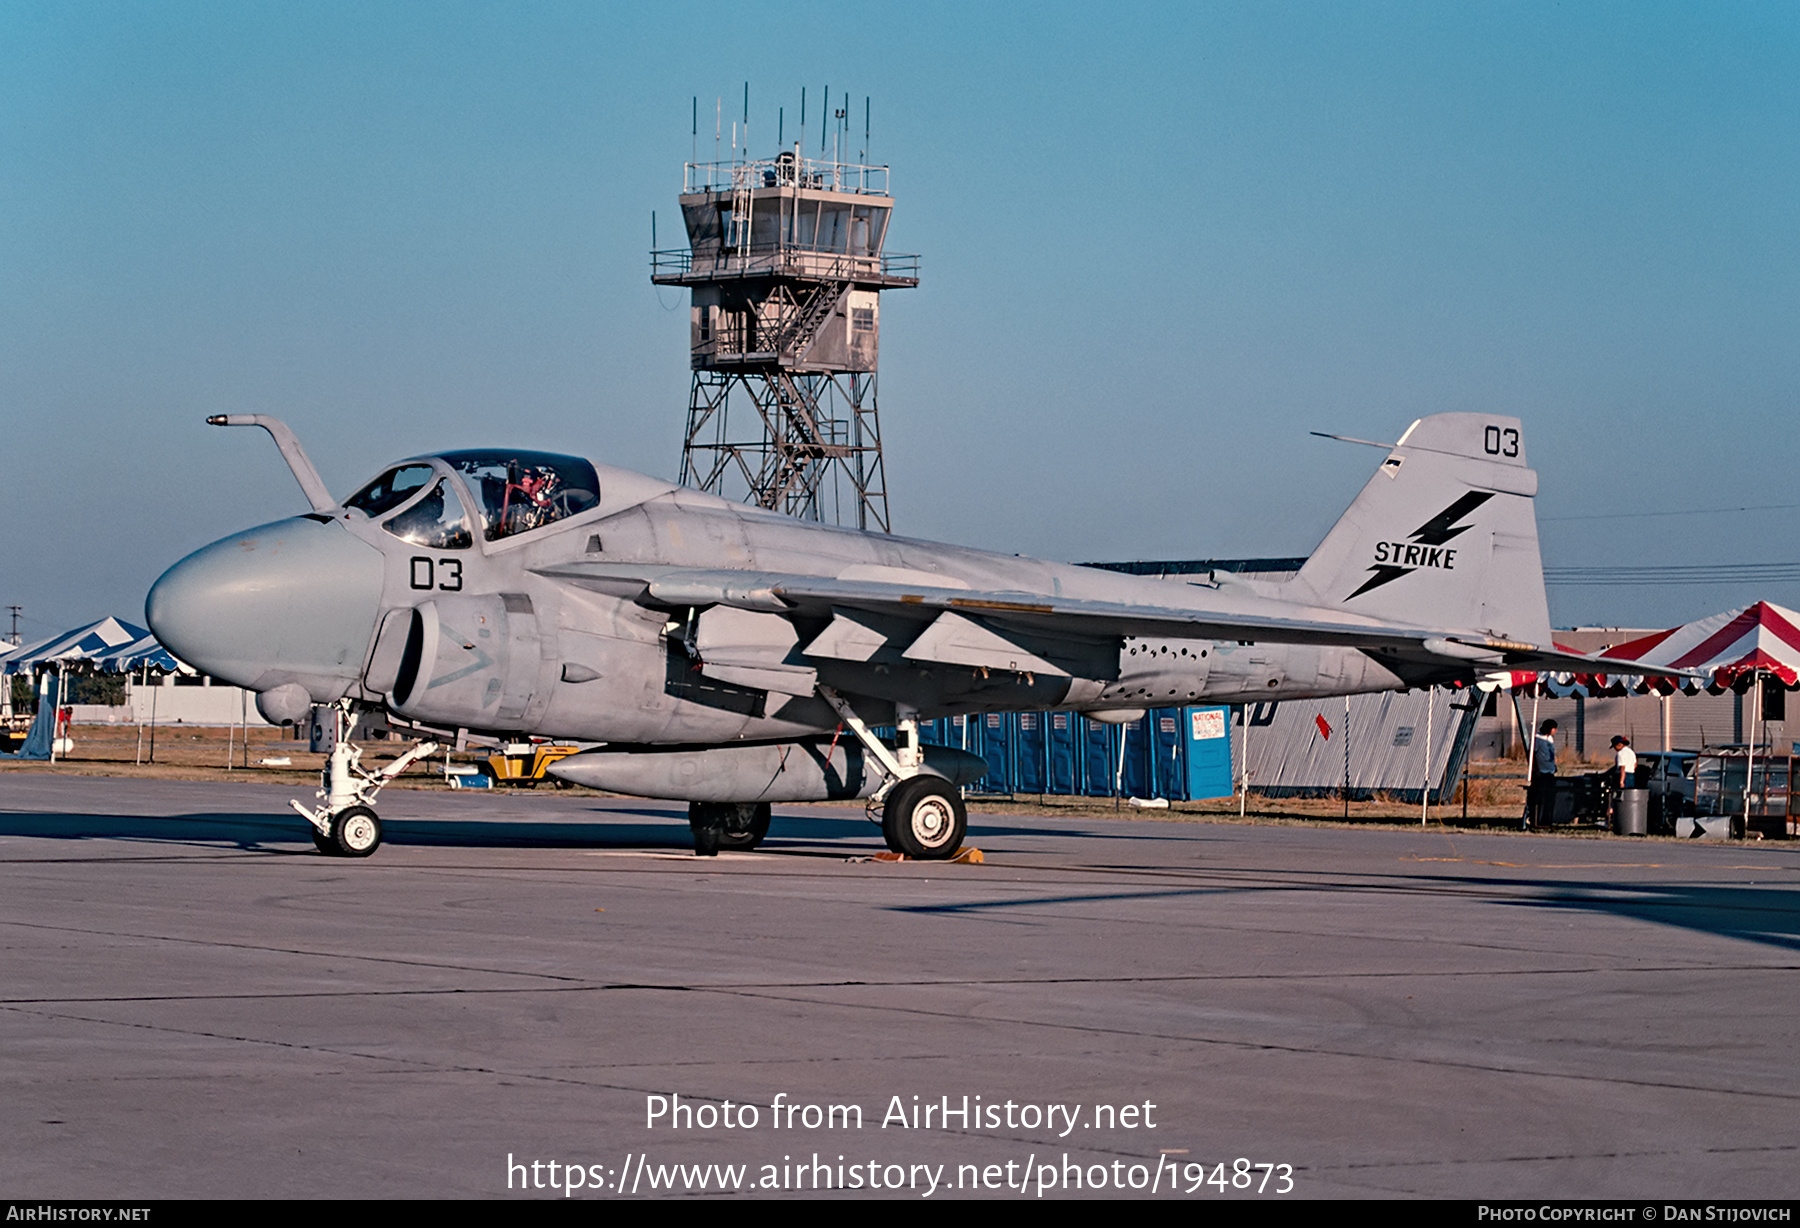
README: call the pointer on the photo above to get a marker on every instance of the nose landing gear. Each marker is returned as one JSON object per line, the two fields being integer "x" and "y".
{"x": 345, "y": 823}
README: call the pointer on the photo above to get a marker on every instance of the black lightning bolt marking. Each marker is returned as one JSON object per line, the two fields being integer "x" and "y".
{"x": 1434, "y": 532}
{"x": 1383, "y": 574}
{"x": 1438, "y": 530}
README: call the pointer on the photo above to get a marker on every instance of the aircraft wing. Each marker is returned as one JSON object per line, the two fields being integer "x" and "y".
{"x": 1033, "y": 631}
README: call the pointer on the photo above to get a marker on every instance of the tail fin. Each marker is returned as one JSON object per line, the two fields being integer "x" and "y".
{"x": 1444, "y": 535}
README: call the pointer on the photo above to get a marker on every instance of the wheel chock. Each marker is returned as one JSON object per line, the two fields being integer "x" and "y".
{"x": 966, "y": 855}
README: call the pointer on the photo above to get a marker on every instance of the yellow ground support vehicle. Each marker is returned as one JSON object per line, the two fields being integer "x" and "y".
{"x": 524, "y": 763}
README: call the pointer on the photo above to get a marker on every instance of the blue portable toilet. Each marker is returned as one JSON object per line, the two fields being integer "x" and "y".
{"x": 995, "y": 745}
{"x": 1206, "y": 733}
{"x": 1167, "y": 746}
{"x": 1061, "y": 750}
{"x": 1028, "y": 754}
{"x": 1153, "y": 755}
{"x": 1099, "y": 757}
{"x": 1140, "y": 766}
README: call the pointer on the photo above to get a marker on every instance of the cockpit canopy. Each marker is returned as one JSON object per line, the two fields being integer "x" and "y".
{"x": 516, "y": 492}
{"x": 513, "y": 492}
{"x": 391, "y": 489}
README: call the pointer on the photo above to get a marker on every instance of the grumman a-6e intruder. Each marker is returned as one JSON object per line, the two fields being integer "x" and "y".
{"x": 731, "y": 657}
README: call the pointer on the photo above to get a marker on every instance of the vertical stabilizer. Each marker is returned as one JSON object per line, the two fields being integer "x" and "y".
{"x": 1444, "y": 535}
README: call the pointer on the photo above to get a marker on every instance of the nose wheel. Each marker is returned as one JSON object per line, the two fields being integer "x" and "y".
{"x": 356, "y": 832}
{"x": 344, "y": 824}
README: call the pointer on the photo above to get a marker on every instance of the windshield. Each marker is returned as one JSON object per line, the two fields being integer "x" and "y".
{"x": 390, "y": 490}
{"x": 436, "y": 521}
{"x": 516, "y": 492}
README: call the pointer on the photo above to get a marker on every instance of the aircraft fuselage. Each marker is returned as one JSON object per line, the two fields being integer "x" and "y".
{"x": 555, "y": 632}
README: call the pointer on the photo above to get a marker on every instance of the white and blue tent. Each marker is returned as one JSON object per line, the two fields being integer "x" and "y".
{"x": 91, "y": 643}
{"x": 110, "y": 645}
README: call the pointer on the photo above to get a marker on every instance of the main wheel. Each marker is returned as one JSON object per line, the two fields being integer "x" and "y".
{"x": 924, "y": 818}
{"x": 356, "y": 832}
{"x": 727, "y": 825}
{"x": 746, "y": 823}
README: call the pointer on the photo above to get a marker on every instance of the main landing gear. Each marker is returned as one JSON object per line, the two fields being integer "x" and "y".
{"x": 924, "y": 818}
{"x": 345, "y": 824}
{"x": 922, "y": 814}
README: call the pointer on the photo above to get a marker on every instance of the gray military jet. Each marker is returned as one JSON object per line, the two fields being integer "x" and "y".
{"x": 731, "y": 657}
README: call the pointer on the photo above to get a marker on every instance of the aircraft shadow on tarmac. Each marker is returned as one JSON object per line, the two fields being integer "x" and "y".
{"x": 613, "y": 828}
{"x": 1766, "y": 915}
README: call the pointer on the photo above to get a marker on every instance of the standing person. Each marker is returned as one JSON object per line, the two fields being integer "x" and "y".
{"x": 1624, "y": 773}
{"x": 1543, "y": 776}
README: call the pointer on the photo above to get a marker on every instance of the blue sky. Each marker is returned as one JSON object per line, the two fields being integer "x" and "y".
{"x": 1159, "y": 247}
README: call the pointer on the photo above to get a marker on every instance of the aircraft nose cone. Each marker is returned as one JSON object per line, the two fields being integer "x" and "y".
{"x": 294, "y": 601}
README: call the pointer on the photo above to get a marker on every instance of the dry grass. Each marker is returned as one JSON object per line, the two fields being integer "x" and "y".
{"x": 190, "y": 752}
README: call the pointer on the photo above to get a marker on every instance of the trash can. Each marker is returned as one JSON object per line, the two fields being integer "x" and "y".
{"x": 1631, "y": 815}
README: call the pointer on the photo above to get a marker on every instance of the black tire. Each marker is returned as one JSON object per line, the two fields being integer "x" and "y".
{"x": 324, "y": 843}
{"x": 746, "y": 823}
{"x": 727, "y": 825}
{"x": 924, "y": 818}
{"x": 356, "y": 832}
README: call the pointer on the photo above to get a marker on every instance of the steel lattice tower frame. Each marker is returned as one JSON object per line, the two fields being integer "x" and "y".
{"x": 785, "y": 265}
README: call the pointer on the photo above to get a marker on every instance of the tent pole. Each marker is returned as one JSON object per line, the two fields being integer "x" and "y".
{"x": 1425, "y": 793}
{"x": 1346, "y": 758}
{"x": 1119, "y": 775}
{"x": 62, "y": 691}
{"x": 1530, "y": 752}
{"x": 1244, "y": 767}
{"x": 1750, "y": 758}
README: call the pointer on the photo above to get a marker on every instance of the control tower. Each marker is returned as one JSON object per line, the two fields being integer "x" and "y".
{"x": 786, "y": 266}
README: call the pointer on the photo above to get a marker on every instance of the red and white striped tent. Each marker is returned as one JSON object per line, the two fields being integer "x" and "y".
{"x": 1728, "y": 650}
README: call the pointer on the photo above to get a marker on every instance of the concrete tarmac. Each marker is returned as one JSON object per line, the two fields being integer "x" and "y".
{"x": 196, "y": 1004}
